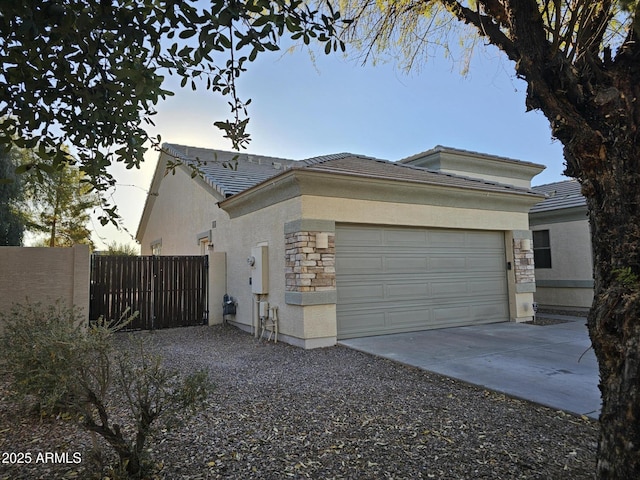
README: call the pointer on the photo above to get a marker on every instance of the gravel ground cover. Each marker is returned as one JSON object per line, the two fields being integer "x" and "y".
{"x": 282, "y": 412}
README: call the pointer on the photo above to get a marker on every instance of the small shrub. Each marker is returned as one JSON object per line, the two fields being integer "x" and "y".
{"x": 40, "y": 349}
{"x": 52, "y": 357}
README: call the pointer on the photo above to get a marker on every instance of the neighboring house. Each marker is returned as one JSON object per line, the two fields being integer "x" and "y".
{"x": 346, "y": 245}
{"x": 562, "y": 248}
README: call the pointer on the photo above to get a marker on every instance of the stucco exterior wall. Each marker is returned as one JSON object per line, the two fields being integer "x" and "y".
{"x": 45, "y": 275}
{"x": 182, "y": 208}
{"x": 569, "y": 281}
{"x": 185, "y": 208}
{"x": 391, "y": 213}
{"x": 263, "y": 228}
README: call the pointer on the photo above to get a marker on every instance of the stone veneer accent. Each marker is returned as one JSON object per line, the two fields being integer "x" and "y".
{"x": 307, "y": 268}
{"x": 523, "y": 261}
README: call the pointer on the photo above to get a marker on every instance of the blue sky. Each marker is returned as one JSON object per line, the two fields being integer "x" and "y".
{"x": 303, "y": 108}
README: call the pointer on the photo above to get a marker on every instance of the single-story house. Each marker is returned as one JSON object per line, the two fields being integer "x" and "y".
{"x": 346, "y": 245}
{"x": 562, "y": 248}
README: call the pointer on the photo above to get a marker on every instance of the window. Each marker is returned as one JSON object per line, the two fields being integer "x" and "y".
{"x": 156, "y": 247}
{"x": 541, "y": 249}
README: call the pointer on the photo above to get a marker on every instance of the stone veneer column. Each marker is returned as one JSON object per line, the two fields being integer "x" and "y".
{"x": 310, "y": 271}
{"x": 523, "y": 264}
{"x": 309, "y": 268}
{"x": 524, "y": 280}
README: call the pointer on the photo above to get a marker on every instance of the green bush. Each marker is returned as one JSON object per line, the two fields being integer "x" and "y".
{"x": 62, "y": 364}
{"x": 41, "y": 347}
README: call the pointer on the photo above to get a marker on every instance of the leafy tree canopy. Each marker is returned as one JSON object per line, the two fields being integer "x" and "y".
{"x": 89, "y": 74}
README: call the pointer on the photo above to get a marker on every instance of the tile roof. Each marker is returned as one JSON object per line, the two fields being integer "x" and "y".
{"x": 250, "y": 170}
{"x": 565, "y": 194}
{"x": 255, "y": 169}
{"x": 362, "y": 166}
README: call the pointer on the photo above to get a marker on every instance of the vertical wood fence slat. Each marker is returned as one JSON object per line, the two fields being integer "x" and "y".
{"x": 165, "y": 291}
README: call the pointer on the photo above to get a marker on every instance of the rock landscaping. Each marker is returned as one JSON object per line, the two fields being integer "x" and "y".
{"x": 278, "y": 412}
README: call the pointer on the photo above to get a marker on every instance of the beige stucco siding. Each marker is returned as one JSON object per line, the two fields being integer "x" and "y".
{"x": 259, "y": 228}
{"x": 389, "y": 213}
{"x": 185, "y": 207}
{"x": 524, "y": 183}
{"x": 569, "y": 283}
{"x": 182, "y": 208}
{"x": 316, "y": 324}
{"x": 570, "y": 251}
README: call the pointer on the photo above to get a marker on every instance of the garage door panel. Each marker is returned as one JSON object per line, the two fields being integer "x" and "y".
{"x": 483, "y": 240}
{"x": 361, "y": 264}
{"x": 359, "y": 293}
{"x": 404, "y": 237}
{"x": 486, "y": 263}
{"x": 447, "y": 264}
{"x": 488, "y": 286}
{"x": 403, "y": 318}
{"x": 361, "y": 236}
{"x": 447, "y": 239}
{"x": 370, "y": 321}
{"x": 446, "y": 314}
{"x": 446, "y": 289}
{"x": 399, "y": 291}
{"x": 492, "y": 311}
{"x": 421, "y": 286}
{"x": 400, "y": 280}
{"x": 405, "y": 264}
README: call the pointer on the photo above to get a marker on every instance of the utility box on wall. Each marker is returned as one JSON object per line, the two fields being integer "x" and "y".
{"x": 260, "y": 270}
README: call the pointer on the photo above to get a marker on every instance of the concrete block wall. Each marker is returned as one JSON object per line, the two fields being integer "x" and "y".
{"x": 45, "y": 275}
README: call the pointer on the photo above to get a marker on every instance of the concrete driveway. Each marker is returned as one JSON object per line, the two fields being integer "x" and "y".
{"x": 552, "y": 365}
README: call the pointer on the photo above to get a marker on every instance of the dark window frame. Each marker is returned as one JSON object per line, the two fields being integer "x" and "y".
{"x": 542, "y": 249}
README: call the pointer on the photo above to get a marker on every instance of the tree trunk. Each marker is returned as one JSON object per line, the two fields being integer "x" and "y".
{"x": 613, "y": 199}
{"x": 599, "y": 127}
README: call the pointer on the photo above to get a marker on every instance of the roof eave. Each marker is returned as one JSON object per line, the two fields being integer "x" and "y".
{"x": 306, "y": 181}
{"x": 154, "y": 189}
{"x": 152, "y": 194}
{"x": 559, "y": 215}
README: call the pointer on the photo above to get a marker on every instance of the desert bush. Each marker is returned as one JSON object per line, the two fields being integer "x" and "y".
{"x": 65, "y": 365}
{"x": 40, "y": 347}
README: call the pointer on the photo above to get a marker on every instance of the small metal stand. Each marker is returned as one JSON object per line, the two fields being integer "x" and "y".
{"x": 270, "y": 324}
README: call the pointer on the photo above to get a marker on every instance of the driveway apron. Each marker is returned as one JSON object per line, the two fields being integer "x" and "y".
{"x": 553, "y": 365}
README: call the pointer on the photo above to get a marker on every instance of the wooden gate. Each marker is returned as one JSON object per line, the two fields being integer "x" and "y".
{"x": 165, "y": 291}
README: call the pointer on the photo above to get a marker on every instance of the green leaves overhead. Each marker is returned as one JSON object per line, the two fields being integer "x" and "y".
{"x": 89, "y": 74}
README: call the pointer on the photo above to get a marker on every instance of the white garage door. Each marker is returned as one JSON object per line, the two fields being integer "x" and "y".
{"x": 392, "y": 279}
